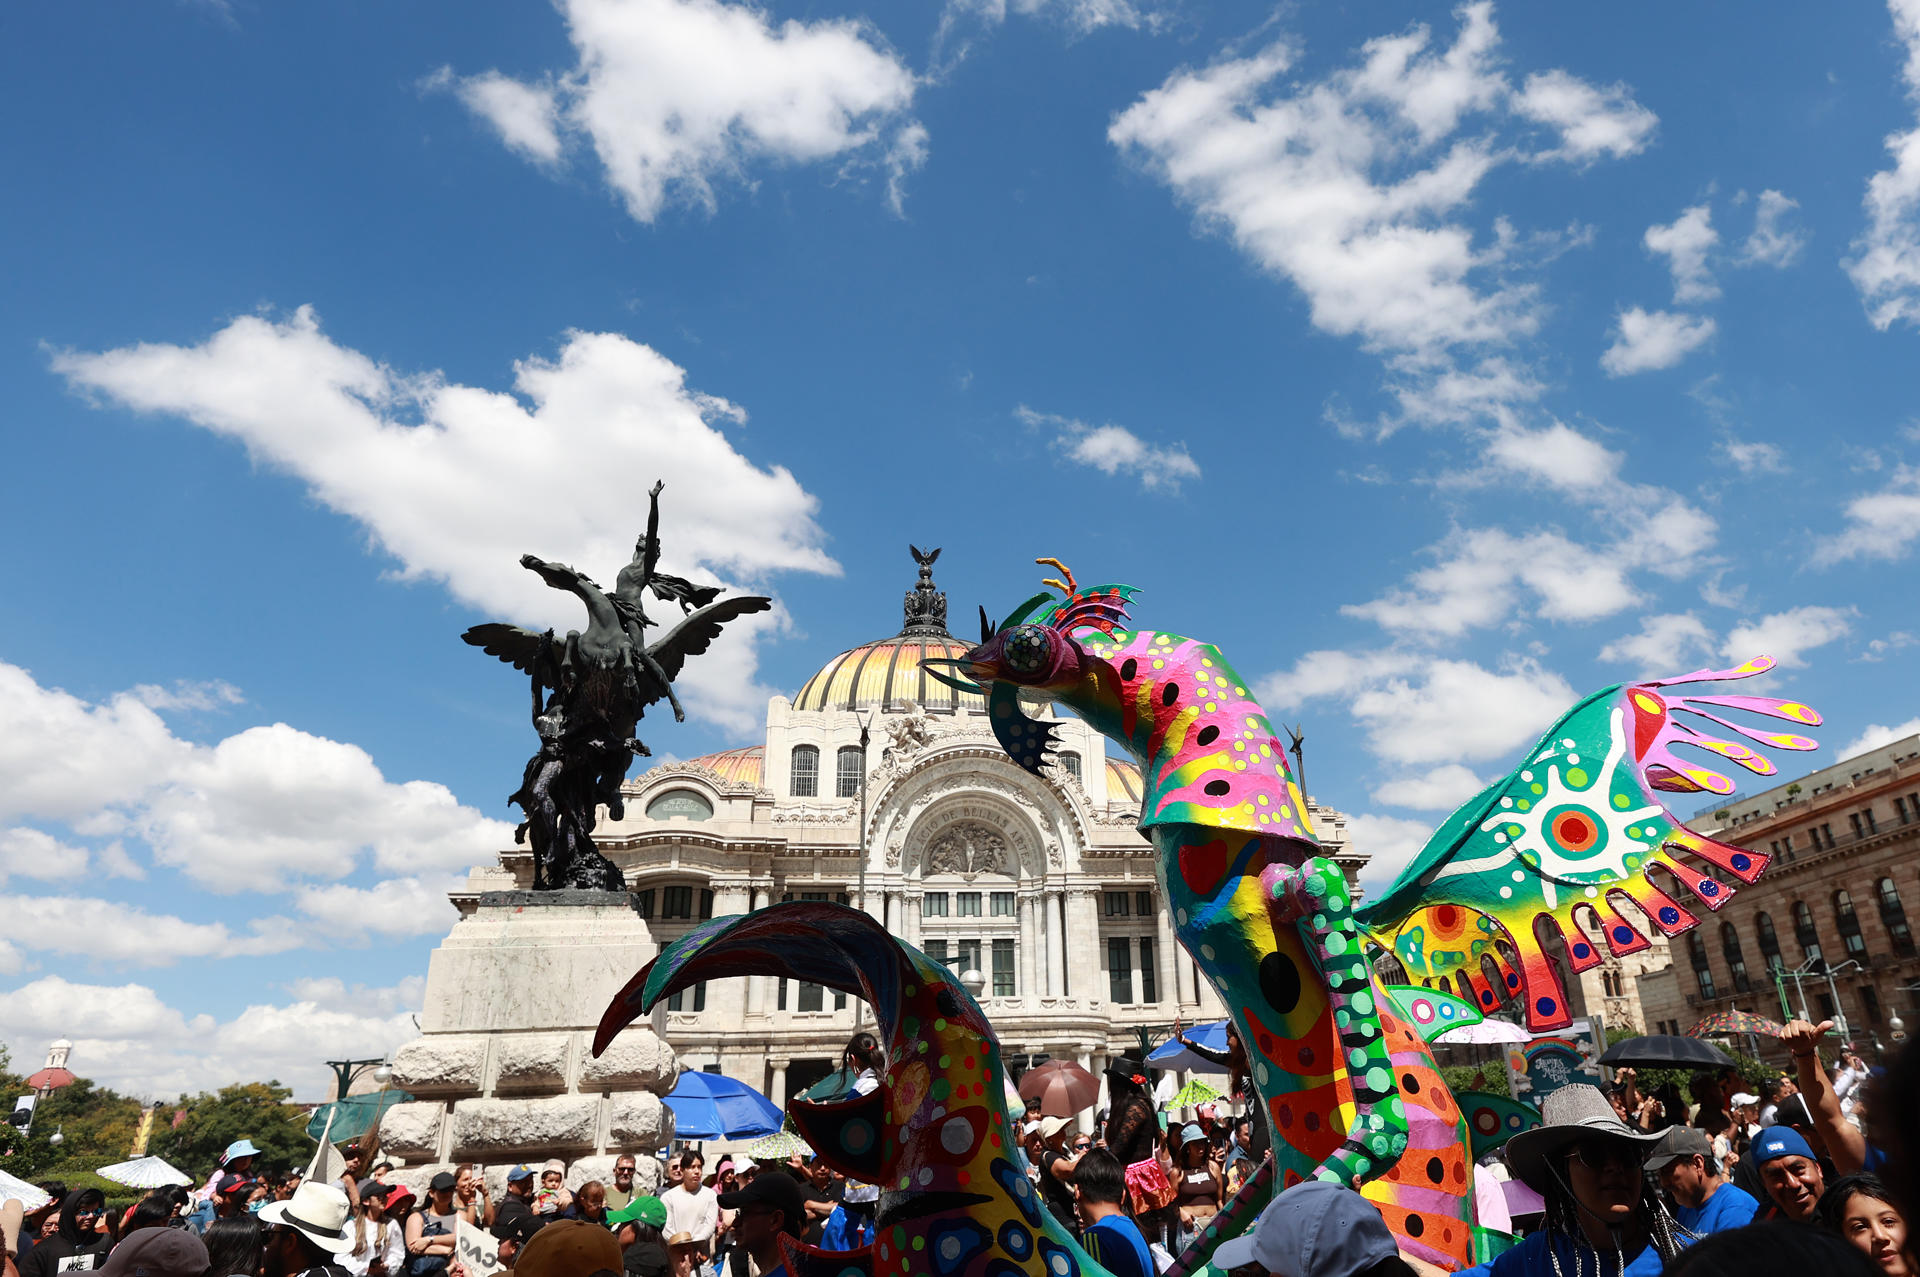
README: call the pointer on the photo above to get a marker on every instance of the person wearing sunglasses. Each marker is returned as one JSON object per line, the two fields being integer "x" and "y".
{"x": 79, "y": 1244}
{"x": 1602, "y": 1216}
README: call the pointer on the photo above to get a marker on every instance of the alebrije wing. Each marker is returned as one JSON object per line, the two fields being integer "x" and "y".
{"x": 1572, "y": 836}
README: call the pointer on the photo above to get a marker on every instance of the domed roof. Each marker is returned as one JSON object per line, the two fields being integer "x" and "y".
{"x": 885, "y": 673}
{"x": 741, "y": 766}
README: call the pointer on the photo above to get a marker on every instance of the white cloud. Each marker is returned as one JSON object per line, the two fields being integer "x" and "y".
{"x": 1773, "y": 242}
{"x": 266, "y": 809}
{"x": 1752, "y": 456}
{"x": 1419, "y": 709}
{"x": 526, "y": 116}
{"x": 1481, "y": 577}
{"x": 960, "y": 19}
{"x": 128, "y": 1038}
{"x": 677, "y": 95}
{"x": 1592, "y": 121}
{"x": 1390, "y": 842}
{"x": 396, "y": 908}
{"x": 188, "y": 695}
{"x": 34, "y": 853}
{"x": 1557, "y": 456}
{"x": 1885, "y": 267}
{"x": 456, "y": 482}
{"x": 1327, "y": 673}
{"x": 1461, "y": 711}
{"x": 1666, "y": 644}
{"x": 1113, "y": 449}
{"x": 1350, "y": 186}
{"x": 108, "y": 931}
{"x": 1645, "y": 340}
{"x": 1441, "y": 789}
{"x": 1785, "y": 636}
{"x": 1877, "y": 735}
{"x": 1685, "y": 243}
{"x": 1879, "y": 649}
{"x": 331, "y": 993}
{"x": 1880, "y": 525}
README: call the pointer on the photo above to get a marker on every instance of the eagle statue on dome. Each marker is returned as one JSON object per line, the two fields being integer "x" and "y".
{"x": 590, "y": 691}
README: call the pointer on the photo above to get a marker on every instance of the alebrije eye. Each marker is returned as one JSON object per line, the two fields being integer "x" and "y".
{"x": 1027, "y": 649}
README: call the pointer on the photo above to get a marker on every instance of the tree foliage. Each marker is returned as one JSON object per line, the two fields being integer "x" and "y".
{"x": 97, "y": 1127}
{"x": 208, "y": 1123}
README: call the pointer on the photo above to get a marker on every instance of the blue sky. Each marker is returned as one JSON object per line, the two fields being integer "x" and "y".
{"x": 1439, "y": 364}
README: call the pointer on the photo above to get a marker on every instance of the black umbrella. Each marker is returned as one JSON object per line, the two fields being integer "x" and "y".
{"x": 1666, "y": 1051}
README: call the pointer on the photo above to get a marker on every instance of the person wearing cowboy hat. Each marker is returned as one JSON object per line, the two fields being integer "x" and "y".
{"x": 307, "y": 1232}
{"x": 1601, "y": 1217}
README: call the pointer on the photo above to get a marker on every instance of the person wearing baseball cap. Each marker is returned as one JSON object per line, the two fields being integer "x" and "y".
{"x": 159, "y": 1252}
{"x": 636, "y": 1226}
{"x": 569, "y": 1248}
{"x": 1790, "y": 1173}
{"x": 307, "y": 1232}
{"x": 768, "y": 1208}
{"x": 1705, "y": 1202}
{"x": 1316, "y": 1229}
{"x": 517, "y": 1201}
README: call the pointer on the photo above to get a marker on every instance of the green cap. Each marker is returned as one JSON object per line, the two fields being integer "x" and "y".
{"x": 641, "y": 1210}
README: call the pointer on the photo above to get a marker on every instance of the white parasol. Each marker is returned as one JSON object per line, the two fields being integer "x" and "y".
{"x": 143, "y": 1172}
{"x": 1488, "y": 1032}
{"x": 18, "y": 1190}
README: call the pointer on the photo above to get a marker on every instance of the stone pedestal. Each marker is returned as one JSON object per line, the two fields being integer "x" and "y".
{"x": 503, "y": 1071}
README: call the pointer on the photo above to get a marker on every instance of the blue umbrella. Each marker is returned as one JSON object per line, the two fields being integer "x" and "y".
{"x": 710, "y": 1106}
{"x": 1171, "y": 1055}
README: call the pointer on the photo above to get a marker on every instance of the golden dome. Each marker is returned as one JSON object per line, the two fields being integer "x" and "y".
{"x": 886, "y": 673}
{"x": 1123, "y": 781}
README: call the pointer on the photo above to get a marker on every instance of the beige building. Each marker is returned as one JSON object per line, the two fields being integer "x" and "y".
{"x": 1042, "y": 884}
{"x": 1825, "y": 932}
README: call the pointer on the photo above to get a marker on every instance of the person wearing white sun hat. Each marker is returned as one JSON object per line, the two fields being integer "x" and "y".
{"x": 307, "y": 1231}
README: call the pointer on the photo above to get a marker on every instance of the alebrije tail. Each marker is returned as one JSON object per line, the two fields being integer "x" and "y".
{"x": 1574, "y": 846}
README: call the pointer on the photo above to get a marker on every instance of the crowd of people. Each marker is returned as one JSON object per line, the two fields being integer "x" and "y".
{"x": 1718, "y": 1181}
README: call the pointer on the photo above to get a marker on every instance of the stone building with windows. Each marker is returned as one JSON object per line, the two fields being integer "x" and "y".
{"x": 879, "y": 787}
{"x": 1827, "y": 923}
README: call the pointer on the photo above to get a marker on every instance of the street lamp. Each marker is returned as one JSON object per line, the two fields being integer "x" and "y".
{"x": 345, "y": 1071}
{"x": 59, "y": 1136}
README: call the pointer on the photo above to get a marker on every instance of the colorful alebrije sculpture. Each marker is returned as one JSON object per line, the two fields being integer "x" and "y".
{"x": 935, "y": 1137}
{"x": 1346, "y": 1079}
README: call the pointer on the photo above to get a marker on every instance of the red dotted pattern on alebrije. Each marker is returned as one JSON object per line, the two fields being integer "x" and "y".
{"x": 1442, "y": 1231}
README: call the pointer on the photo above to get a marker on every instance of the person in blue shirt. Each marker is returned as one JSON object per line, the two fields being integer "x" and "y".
{"x": 1114, "y": 1240}
{"x": 1601, "y": 1217}
{"x": 1704, "y": 1201}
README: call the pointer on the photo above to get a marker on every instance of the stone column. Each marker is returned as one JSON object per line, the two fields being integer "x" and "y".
{"x": 1083, "y": 1120}
{"x": 757, "y": 984}
{"x": 1027, "y": 963}
{"x": 1055, "y": 904}
{"x": 1163, "y": 951}
{"x": 1083, "y": 970}
{"x": 910, "y": 925}
{"x": 777, "y": 1092}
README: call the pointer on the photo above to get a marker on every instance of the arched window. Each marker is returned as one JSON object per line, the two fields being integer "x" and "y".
{"x": 1894, "y": 916}
{"x": 1769, "y": 941}
{"x": 1697, "y": 952}
{"x": 1736, "y": 961}
{"x": 1849, "y": 923}
{"x": 1806, "y": 933}
{"x": 848, "y": 765}
{"x": 1069, "y": 760}
{"x": 806, "y": 771}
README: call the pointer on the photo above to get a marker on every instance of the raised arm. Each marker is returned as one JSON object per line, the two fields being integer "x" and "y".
{"x": 1845, "y": 1145}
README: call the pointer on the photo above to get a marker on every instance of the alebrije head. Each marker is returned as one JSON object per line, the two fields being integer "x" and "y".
{"x": 1033, "y": 650}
